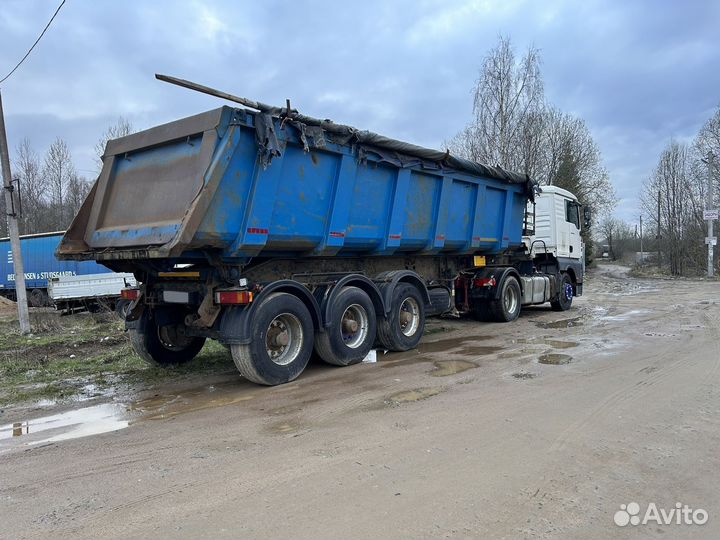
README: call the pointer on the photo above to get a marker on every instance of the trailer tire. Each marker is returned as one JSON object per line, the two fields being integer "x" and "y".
{"x": 565, "y": 296}
{"x": 283, "y": 341}
{"x": 352, "y": 330}
{"x": 507, "y": 307}
{"x": 162, "y": 346}
{"x": 397, "y": 332}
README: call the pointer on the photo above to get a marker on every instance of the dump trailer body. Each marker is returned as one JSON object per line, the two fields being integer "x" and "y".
{"x": 239, "y": 184}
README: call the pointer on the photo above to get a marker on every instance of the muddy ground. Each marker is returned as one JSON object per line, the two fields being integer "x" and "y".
{"x": 537, "y": 429}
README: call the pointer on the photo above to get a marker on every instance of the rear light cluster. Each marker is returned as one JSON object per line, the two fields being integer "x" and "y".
{"x": 233, "y": 297}
{"x": 484, "y": 282}
{"x": 130, "y": 294}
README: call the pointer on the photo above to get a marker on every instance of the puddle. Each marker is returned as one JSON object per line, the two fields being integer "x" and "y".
{"x": 562, "y": 323}
{"x": 555, "y": 343}
{"x": 467, "y": 346}
{"x": 555, "y": 359}
{"x": 73, "y": 424}
{"x": 204, "y": 397}
{"x": 409, "y": 396}
{"x": 625, "y": 316}
{"x": 451, "y": 367}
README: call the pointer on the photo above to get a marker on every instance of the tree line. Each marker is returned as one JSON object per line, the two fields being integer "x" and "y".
{"x": 673, "y": 199}
{"x": 675, "y": 195}
{"x": 515, "y": 126}
{"x": 51, "y": 189}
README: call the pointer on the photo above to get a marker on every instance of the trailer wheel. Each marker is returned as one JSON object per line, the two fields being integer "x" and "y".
{"x": 403, "y": 327}
{"x": 164, "y": 346}
{"x": 565, "y": 297}
{"x": 507, "y": 307}
{"x": 352, "y": 329}
{"x": 282, "y": 344}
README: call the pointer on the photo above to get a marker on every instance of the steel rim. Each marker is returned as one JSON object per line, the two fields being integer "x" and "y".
{"x": 510, "y": 299}
{"x": 409, "y": 316}
{"x": 284, "y": 339}
{"x": 171, "y": 339}
{"x": 354, "y": 326}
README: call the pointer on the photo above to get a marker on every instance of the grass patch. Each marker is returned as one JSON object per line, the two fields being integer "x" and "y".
{"x": 66, "y": 355}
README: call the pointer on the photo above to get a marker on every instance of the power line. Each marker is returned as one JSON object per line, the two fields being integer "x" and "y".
{"x": 36, "y": 42}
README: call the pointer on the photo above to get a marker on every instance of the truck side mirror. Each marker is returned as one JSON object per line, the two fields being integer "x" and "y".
{"x": 587, "y": 217}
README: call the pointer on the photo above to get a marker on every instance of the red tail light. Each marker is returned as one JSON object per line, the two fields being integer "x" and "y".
{"x": 484, "y": 282}
{"x": 233, "y": 297}
{"x": 130, "y": 294}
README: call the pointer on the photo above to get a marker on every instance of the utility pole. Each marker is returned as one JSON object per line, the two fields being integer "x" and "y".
{"x": 642, "y": 253}
{"x": 12, "y": 221}
{"x": 657, "y": 236}
{"x": 711, "y": 213}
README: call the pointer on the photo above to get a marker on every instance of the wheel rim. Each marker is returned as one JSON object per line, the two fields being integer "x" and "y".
{"x": 284, "y": 339}
{"x": 354, "y": 326}
{"x": 409, "y": 317}
{"x": 510, "y": 299}
{"x": 173, "y": 340}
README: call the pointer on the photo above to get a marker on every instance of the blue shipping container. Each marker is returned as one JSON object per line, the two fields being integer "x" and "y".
{"x": 38, "y": 252}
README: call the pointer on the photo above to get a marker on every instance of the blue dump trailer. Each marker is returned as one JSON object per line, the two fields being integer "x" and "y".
{"x": 41, "y": 265}
{"x": 279, "y": 234}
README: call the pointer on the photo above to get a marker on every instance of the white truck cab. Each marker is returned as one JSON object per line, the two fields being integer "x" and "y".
{"x": 557, "y": 225}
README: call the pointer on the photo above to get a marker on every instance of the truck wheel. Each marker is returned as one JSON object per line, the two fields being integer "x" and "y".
{"x": 352, "y": 329}
{"x": 282, "y": 344}
{"x": 564, "y": 301}
{"x": 164, "y": 346}
{"x": 38, "y": 298}
{"x": 507, "y": 307}
{"x": 403, "y": 327}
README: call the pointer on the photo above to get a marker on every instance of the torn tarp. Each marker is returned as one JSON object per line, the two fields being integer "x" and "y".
{"x": 315, "y": 133}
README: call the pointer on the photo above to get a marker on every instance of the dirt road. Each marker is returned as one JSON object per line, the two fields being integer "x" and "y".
{"x": 472, "y": 436}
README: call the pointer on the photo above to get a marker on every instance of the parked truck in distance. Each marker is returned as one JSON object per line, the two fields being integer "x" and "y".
{"x": 41, "y": 265}
{"x": 91, "y": 292}
{"x": 278, "y": 235}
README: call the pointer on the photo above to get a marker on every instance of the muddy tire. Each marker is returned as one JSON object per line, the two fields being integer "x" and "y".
{"x": 481, "y": 312}
{"x": 164, "y": 346}
{"x": 282, "y": 331}
{"x": 121, "y": 307}
{"x": 352, "y": 329}
{"x": 38, "y": 298}
{"x": 565, "y": 297}
{"x": 507, "y": 307}
{"x": 402, "y": 328}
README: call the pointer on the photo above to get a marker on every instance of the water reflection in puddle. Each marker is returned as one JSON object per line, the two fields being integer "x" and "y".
{"x": 73, "y": 424}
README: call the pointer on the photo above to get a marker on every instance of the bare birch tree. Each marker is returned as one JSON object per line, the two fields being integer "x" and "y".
{"x": 58, "y": 171}
{"x": 121, "y": 128}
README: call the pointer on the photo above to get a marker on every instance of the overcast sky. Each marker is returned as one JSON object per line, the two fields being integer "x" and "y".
{"x": 639, "y": 73}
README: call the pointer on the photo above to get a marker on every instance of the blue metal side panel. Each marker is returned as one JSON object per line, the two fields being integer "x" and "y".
{"x": 371, "y": 206}
{"x": 40, "y": 263}
{"x": 225, "y": 216}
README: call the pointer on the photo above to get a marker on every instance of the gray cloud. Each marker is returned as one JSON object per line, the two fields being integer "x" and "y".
{"x": 638, "y": 72}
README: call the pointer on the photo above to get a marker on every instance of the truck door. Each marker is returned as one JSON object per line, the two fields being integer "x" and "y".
{"x": 572, "y": 217}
